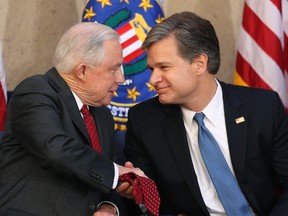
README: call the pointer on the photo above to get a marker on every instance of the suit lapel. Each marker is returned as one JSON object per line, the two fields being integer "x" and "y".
{"x": 237, "y": 134}
{"x": 66, "y": 95}
{"x": 174, "y": 130}
{"x": 236, "y": 119}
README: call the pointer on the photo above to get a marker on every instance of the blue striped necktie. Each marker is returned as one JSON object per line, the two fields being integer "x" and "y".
{"x": 223, "y": 180}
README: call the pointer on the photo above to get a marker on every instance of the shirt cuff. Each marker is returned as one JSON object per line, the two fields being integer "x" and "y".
{"x": 116, "y": 176}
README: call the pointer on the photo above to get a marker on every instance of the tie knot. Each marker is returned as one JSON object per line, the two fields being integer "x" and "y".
{"x": 84, "y": 110}
{"x": 199, "y": 118}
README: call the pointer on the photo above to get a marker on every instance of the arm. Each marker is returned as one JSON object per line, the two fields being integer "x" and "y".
{"x": 44, "y": 127}
{"x": 131, "y": 150}
{"x": 280, "y": 156}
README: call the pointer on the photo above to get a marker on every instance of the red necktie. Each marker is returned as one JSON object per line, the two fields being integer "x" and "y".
{"x": 145, "y": 193}
{"x": 91, "y": 128}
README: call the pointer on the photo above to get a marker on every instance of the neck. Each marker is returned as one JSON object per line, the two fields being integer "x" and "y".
{"x": 71, "y": 81}
{"x": 78, "y": 87}
{"x": 201, "y": 98}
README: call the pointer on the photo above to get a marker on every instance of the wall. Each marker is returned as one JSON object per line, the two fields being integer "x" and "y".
{"x": 30, "y": 30}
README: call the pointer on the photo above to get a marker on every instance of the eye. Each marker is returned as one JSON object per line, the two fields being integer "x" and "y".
{"x": 116, "y": 69}
{"x": 164, "y": 68}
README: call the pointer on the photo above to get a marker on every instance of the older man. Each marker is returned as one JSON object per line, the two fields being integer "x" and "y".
{"x": 51, "y": 162}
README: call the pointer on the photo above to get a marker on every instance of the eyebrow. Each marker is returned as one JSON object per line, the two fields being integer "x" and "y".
{"x": 115, "y": 66}
{"x": 161, "y": 64}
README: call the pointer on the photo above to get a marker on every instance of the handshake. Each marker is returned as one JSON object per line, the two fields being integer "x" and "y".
{"x": 126, "y": 187}
{"x": 137, "y": 186}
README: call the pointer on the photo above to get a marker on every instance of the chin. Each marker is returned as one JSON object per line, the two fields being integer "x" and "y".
{"x": 106, "y": 101}
{"x": 163, "y": 99}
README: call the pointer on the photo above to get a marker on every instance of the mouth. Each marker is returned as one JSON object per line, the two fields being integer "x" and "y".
{"x": 159, "y": 89}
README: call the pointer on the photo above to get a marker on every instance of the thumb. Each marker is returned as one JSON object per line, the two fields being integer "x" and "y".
{"x": 128, "y": 164}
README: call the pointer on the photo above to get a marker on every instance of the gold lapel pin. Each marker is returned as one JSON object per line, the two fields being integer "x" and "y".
{"x": 240, "y": 120}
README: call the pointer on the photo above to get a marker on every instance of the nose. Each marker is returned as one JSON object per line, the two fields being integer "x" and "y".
{"x": 155, "y": 78}
{"x": 120, "y": 76}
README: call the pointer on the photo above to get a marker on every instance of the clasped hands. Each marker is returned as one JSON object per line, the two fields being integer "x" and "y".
{"x": 125, "y": 189}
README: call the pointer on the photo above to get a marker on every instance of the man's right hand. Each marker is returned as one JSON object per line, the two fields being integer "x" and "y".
{"x": 129, "y": 167}
{"x": 125, "y": 189}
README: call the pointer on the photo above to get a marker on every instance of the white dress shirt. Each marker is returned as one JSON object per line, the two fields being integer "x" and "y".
{"x": 214, "y": 120}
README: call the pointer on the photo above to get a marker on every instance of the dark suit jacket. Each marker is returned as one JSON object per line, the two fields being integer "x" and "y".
{"x": 156, "y": 142}
{"x": 47, "y": 166}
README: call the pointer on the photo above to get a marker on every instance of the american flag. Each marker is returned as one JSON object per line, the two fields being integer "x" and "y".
{"x": 262, "y": 56}
{"x": 3, "y": 94}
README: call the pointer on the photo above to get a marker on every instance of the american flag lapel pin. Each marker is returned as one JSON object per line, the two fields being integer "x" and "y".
{"x": 240, "y": 120}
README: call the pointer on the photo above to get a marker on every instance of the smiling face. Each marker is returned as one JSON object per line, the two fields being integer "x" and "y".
{"x": 174, "y": 78}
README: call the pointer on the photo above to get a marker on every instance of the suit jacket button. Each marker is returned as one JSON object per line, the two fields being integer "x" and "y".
{"x": 92, "y": 174}
{"x": 92, "y": 206}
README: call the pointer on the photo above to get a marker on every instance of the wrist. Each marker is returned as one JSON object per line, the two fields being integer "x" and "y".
{"x": 109, "y": 207}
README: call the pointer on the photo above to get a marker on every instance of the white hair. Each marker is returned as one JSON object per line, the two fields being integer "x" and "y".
{"x": 82, "y": 43}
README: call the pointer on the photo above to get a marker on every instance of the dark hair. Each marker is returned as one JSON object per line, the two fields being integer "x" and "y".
{"x": 194, "y": 36}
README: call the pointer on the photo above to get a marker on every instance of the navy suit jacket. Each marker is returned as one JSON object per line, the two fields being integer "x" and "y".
{"x": 156, "y": 141}
{"x": 47, "y": 166}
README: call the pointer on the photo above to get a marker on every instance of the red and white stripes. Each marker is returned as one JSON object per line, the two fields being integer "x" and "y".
{"x": 130, "y": 43}
{"x": 262, "y": 57}
{"x": 3, "y": 93}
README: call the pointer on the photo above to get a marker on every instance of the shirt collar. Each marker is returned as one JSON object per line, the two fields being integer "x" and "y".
{"x": 212, "y": 111}
{"x": 78, "y": 101}
{"x": 215, "y": 107}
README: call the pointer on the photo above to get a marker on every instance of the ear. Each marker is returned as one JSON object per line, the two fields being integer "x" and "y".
{"x": 81, "y": 71}
{"x": 201, "y": 63}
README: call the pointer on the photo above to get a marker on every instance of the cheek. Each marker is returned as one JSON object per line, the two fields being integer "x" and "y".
{"x": 175, "y": 80}
{"x": 105, "y": 85}
{"x": 183, "y": 84}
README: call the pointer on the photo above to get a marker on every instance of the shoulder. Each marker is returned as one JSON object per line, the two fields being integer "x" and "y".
{"x": 148, "y": 104}
{"x": 148, "y": 108}
{"x": 153, "y": 109}
{"x": 40, "y": 89}
{"x": 248, "y": 93}
{"x": 36, "y": 83}
{"x": 254, "y": 100}
{"x": 32, "y": 82}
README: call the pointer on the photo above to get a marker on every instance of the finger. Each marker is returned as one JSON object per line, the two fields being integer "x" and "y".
{"x": 129, "y": 164}
{"x": 128, "y": 193}
{"x": 122, "y": 187}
